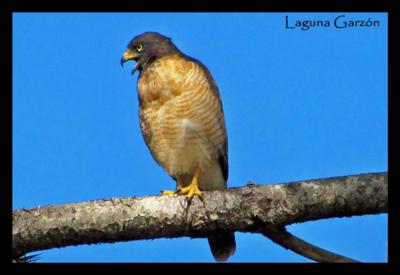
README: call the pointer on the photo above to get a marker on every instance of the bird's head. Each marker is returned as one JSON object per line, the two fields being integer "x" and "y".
{"x": 147, "y": 47}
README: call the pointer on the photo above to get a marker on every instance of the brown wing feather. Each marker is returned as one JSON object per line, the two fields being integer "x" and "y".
{"x": 223, "y": 160}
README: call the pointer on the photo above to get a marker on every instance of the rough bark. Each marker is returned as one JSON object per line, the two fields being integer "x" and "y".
{"x": 253, "y": 208}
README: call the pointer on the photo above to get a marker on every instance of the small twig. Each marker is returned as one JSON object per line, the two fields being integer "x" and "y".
{"x": 26, "y": 259}
{"x": 289, "y": 241}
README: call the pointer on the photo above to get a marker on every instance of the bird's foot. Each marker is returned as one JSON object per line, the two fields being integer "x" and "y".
{"x": 168, "y": 193}
{"x": 190, "y": 191}
{"x": 193, "y": 188}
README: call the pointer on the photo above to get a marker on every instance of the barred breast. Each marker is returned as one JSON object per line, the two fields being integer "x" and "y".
{"x": 182, "y": 119}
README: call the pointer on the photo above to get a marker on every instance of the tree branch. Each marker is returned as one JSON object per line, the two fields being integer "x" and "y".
{"x": 253, "y": 208}
{"x": 289, "y": 241}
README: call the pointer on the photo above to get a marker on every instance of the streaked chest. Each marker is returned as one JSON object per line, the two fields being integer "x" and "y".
{"x": 165, "y": 79}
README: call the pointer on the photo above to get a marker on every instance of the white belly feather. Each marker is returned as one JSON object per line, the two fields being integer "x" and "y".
{"x": 191, "y": 147}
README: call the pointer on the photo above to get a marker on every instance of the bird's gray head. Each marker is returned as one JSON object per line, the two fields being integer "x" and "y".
{"x": 147, "y": 47}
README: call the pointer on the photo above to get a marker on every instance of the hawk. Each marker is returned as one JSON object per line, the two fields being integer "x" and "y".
{"x": 182, "y": 121}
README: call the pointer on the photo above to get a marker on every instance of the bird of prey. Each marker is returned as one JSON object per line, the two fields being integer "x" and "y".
{"x": 182, "y": 121}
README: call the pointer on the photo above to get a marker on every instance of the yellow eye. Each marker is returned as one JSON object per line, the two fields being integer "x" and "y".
{"x": 139, "y": 47}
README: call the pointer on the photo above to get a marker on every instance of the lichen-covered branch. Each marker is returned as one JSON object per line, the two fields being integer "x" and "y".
{"x": 248, "y": 209}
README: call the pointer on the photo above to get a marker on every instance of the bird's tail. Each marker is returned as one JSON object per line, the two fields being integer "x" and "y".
{"x": 222, "y": 245}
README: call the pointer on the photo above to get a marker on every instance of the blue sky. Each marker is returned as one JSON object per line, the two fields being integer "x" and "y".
{"x": 298, "y": 105}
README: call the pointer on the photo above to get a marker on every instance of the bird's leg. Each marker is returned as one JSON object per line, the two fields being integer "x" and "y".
{"x": 193, "y": 188}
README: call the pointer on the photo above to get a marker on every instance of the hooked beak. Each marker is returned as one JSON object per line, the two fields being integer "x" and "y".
{"x": 130, "y": 55}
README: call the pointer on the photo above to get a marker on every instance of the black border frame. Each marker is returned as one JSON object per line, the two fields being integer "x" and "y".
{"x": 8, "y": 8}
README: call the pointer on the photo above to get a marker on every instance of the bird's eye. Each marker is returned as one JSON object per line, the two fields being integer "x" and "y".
{"x": 139, "y": 47}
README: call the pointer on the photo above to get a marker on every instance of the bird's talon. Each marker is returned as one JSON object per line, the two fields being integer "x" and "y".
{"x": 190, "y": 190}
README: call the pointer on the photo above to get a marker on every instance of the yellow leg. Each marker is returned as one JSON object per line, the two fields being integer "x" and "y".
{"x": 193, "y": 188}
{"x": 168, "y": 193}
